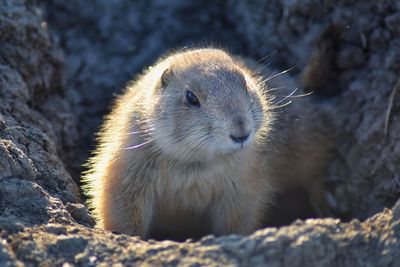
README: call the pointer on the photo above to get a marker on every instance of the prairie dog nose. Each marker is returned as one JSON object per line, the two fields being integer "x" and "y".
{"x": 240, "y": 130}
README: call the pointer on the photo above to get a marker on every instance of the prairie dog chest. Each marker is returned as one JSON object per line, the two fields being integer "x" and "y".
{"x": 184, "y": 198}
{"x": 196, "y": 187}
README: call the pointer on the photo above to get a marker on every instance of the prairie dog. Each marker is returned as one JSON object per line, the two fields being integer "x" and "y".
{"x": 189, "y": 150}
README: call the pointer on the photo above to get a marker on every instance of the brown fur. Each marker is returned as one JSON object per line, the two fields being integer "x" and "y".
{"x": 186, "y": 177}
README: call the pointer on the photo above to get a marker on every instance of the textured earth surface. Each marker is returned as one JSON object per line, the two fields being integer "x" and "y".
{"x": 61, "y": 62}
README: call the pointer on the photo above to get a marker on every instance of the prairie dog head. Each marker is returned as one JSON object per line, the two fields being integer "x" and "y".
{"x": 208, "y": 105}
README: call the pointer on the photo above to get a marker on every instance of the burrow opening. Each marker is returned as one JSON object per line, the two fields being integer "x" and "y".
{"x": 102, "y": 53}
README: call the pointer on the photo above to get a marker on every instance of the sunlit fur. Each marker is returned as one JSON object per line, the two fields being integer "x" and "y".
{"x": 162, "y": 163}
{"x": 225, "y": 90}
{"x": 158, "y": 155}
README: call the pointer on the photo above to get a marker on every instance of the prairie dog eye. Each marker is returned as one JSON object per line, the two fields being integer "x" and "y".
{"x": 192, "y": 99}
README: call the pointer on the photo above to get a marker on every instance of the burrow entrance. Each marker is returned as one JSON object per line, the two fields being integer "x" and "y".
{"x": 105, "y": 45}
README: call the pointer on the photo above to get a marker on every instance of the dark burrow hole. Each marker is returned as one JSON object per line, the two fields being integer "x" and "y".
{"x": 294, "y": 204}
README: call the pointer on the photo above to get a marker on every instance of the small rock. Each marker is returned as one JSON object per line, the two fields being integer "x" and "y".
{"x": 71, "y": 245}
{"x": 81, "y": 214}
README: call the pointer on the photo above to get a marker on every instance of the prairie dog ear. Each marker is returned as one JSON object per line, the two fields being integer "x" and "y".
{"x": 165, "y": 77}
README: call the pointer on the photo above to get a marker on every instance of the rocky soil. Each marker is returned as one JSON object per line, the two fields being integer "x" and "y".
{"x": 61, "y": 62}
